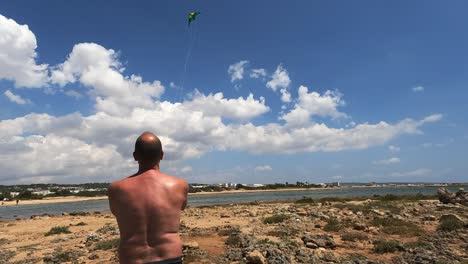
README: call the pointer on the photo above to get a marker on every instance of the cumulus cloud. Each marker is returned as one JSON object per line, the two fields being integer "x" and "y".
{"x": 78, "y": 147}
{"x": 99, "y": 69}
{"x": 418, "y": 89}
{"x": 18, "y": 55}
{"x": 216, "y": 105}
{"x": 393, "y": 148}
{"x": 392, "y": 160}
{"x": 280, "y": 81}
{"x": 16, "y": 98}
{"x": 258, "y": 73}
{"x": 263, "y": 168}
{"x": 313, "y": 104}
{"x": 236, "y": 70}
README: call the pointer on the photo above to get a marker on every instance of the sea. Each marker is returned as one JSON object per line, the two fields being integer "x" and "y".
{"x": 26, "y": 211}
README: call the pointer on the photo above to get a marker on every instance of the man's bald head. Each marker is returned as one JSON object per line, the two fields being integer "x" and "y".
{"x": 148, "y": 148}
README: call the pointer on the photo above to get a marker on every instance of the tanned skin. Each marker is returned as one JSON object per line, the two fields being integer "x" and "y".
{"x": 147, "y": 206}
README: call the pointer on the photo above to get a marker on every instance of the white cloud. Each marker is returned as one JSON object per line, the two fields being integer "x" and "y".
{"x": 418, "y": 89}
{"x": 414, "y": 173}
{"x": 16, "y": 98}
{"x": 393, "y": 148}
{"x": 236, "y": 70}
{"x": 172, "y": 85}
{"x": 18, "y": 55}
{"x": 314, "y": 104}
{"x": 264, "y": 168}
{"x": 55, "y": 148}
{"x": 280, "y": 81}
{"x": 258, "y": 73}
{"x": 392, "y": 160}
{"x": 98, "y": 68}
{"x": 74, "y": 94}
{"x": 216, "y": 105}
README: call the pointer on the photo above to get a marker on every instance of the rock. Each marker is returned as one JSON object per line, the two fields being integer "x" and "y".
{"x": 324, "y": 241}
{"x": 445, "y": 196}
{"x": 190, "y": 245}
{"x": 429, "y": 218}
{"x": 255, "y": 257}
{"x": 302, "y": 213}
{"x": 377, "y": 212}
{"x": 311, "y": 245}
{"x": 93, "y": 256}
{"x": 65, "y": 214}
{"x": 92, "y": 237}
{"x": 359, "y": 226}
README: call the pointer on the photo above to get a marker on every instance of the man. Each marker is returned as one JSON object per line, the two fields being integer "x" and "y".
{"x": 147, "y": 206}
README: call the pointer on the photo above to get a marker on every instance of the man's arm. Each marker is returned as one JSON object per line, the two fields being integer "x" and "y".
{"x": 112, "y": 193}
{"x": 186, "y": 189}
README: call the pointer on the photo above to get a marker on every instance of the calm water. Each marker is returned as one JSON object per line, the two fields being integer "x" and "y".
{"x": 25, "y": 211}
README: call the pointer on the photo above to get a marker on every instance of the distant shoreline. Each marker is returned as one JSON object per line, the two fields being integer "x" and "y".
{"x": 66, "y": 199}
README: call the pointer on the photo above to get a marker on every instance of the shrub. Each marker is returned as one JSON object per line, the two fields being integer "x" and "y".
{"x": 277, "y": 218}
{"x": 354, "y": 236}
{"x": 419, "y": 244}
{"x": 387, "y": 246}
{"x": 107, "y": 244}
{"x": 393, "y": 226}
{"x": 335, "y": 199}
{"x": 58, "y": 230}
{"x": 106, "y": 228}
{"x": 233, "y": 240}
{"x": 228, "y": 231}
{"x": 333, "y": 225}
{"x": 61, "y": 256}
{"x": 3, "y": 241}
{"x": 81, "y": 224}
{"x": 450, "y": 224}
{"x": 305, "y": 200}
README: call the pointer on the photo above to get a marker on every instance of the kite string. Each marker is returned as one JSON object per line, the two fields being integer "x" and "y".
{"x": 187, "y": 57}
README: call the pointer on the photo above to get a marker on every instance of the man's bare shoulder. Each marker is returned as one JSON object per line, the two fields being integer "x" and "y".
{"x": 175, "y": 180}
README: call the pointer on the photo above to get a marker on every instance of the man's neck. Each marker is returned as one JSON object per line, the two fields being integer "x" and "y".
{"x": 143, "y": 168}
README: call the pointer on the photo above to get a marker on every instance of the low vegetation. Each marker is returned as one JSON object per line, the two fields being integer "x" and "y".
{"x": 106, "y": 229}
{"x": 449, "y": 224}
{"x": 354, "y": 236}
{"x": 61, "y": 256}
{"x": 387, "y": 246}
{"x": 228, "y": 231}
{"x": 333, "y": 224}
{"x": 58, "y": 230}
{"x": 277, "y": 218}
{"x": 107, "y": 244}
{"x": 81, "y": 224}
{"x": 393, "y": 226}
{"x": 305, "y": 200}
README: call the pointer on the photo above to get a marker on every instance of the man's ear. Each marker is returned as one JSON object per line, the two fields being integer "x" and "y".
{"x": 162, "y": 155}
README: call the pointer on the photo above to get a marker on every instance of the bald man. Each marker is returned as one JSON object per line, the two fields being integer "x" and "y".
{"x": 147, "y": 206}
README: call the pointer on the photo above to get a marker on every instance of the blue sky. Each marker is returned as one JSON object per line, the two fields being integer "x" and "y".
{"x": 379, "y": 61}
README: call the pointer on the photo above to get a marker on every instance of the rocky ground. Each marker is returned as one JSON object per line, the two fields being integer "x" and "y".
{"x": 329, "y": 231}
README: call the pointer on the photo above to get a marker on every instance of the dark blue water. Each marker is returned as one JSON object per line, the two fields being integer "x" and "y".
{"x": 25, "y": 211}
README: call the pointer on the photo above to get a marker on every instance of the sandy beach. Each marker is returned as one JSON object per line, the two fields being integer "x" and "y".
{"x": 329, "y": 232}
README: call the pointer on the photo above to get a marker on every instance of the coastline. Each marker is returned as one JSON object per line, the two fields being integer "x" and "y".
{"x": 65, "y": 199}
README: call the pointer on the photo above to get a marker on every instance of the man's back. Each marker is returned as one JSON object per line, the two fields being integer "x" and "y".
{"x": 147, "y": 207}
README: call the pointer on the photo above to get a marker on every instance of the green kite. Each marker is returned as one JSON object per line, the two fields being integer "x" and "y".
{"x": 192, "y": 16}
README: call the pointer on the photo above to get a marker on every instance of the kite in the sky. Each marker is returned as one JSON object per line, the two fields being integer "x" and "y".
{"x": 192, "y": 16}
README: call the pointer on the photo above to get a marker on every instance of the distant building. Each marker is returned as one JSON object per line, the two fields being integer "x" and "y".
{"x": 333, "y": 184}
{"x": 14, "y": 194}
{"x": 229, "y": 185}
{"x": 255, "y": 185}
{"x": 42, "y": 192}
